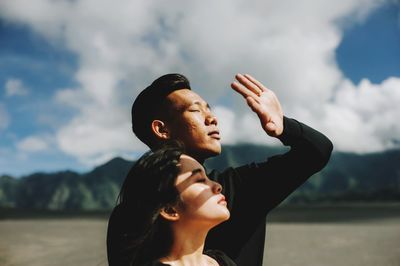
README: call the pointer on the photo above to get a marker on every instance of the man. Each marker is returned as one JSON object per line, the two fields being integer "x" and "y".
{"x": 169, "y": 109}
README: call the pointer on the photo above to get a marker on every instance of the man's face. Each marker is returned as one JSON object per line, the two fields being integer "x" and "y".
{"x": 194, "y": 124}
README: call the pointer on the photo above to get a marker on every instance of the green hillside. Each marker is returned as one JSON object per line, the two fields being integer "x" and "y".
{"x": 347, "y": 177}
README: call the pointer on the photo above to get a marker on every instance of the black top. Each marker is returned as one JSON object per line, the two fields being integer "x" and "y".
{"x": 219, "y": 256}
{"x": 251, "y": 192}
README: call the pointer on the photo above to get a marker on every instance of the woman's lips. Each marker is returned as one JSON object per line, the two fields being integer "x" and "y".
{"x": 222, "y": 201}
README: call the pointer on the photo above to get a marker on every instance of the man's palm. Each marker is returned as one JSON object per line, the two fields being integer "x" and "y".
{"x": 262, "y": 101}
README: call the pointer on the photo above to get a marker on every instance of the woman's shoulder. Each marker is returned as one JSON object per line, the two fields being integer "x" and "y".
{"x": 220, "y": 257}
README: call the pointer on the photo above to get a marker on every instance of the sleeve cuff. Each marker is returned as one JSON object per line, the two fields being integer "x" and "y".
{"x": 292, "y": 131}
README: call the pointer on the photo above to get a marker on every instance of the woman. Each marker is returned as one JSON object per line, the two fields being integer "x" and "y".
{"x": 174, "y": 204}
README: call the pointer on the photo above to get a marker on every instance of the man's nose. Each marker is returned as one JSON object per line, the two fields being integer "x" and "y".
{"x": 211, "y": 119}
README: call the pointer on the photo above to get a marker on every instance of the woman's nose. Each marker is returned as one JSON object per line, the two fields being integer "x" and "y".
{"x": 217, "y": 188}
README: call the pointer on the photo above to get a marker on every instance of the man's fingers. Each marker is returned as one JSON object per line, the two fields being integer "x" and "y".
{"x": 249, "y": 84}
{"x": 253, "y": 104}
{"x": 256, "y": 82}
{"x": 245, "y": 92}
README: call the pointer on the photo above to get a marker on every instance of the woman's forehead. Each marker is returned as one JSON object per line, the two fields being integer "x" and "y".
{"x": 187, "y": 163}
{"x": 189, "y": 167}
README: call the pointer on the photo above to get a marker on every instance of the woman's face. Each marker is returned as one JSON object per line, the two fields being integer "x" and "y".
{"x": 200, "y": 198}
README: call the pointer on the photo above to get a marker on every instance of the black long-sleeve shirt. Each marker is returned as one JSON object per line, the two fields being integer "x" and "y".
{"x": 255, "y": 189}
{"x": 251, "y": 192}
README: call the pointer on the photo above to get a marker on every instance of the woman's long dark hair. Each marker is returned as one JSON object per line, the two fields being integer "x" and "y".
{"x": 149, "y": 187}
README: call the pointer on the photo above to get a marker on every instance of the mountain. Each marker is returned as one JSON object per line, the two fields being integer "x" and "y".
{"x": 347, "y": 177}
{"x": 95, "y": 190}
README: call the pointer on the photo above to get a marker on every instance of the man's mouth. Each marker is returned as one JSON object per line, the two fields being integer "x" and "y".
{"x": 214, "y": 134}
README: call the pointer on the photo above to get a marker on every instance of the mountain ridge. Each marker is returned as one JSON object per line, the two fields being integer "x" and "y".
{"x": 347, "y": 177}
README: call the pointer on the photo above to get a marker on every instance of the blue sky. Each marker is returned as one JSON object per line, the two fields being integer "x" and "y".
{"x": 70, "y": 70}
{"x": 372, "y": 50}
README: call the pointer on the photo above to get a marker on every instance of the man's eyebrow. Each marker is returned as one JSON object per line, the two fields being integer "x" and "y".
{"x": 200, "y": 103}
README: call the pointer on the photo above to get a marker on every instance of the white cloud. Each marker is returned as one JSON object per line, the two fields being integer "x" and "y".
{"x": 33, "y": 144}
{"x": 4, "y": 117}
{"x": 240, "y": 129}
{"x": 15, "y": 87}
{"x": 226, "y": 124}
{"x": 365, "y": 117}
{"x": 98, "y": 134}
{"x": 291, "y": 50}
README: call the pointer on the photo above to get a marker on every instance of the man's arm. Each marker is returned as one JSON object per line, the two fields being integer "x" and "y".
{"x": 254, "y": 189}
{"x": 310, "y": 150}
{"x": 276, "y": 178}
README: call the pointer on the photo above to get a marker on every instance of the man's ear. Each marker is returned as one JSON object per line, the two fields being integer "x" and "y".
{"x": 160, "y": 129}
{"x": 169, "y": 213}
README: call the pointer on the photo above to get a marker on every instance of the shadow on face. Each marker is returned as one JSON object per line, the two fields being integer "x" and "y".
{"x": 200, "y": 196}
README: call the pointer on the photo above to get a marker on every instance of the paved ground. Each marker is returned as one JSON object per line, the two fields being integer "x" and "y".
{"x": 360, "y": 242}
{"x": 355, "y": 244}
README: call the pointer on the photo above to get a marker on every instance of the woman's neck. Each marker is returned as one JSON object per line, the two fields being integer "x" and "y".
{"x": 188, "y": 247}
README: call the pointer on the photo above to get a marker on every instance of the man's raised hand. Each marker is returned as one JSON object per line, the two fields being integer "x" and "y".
{"x": 262, "y": 101}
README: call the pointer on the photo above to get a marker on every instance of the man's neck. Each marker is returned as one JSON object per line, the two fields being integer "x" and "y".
{"x": 197, "y": 157}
